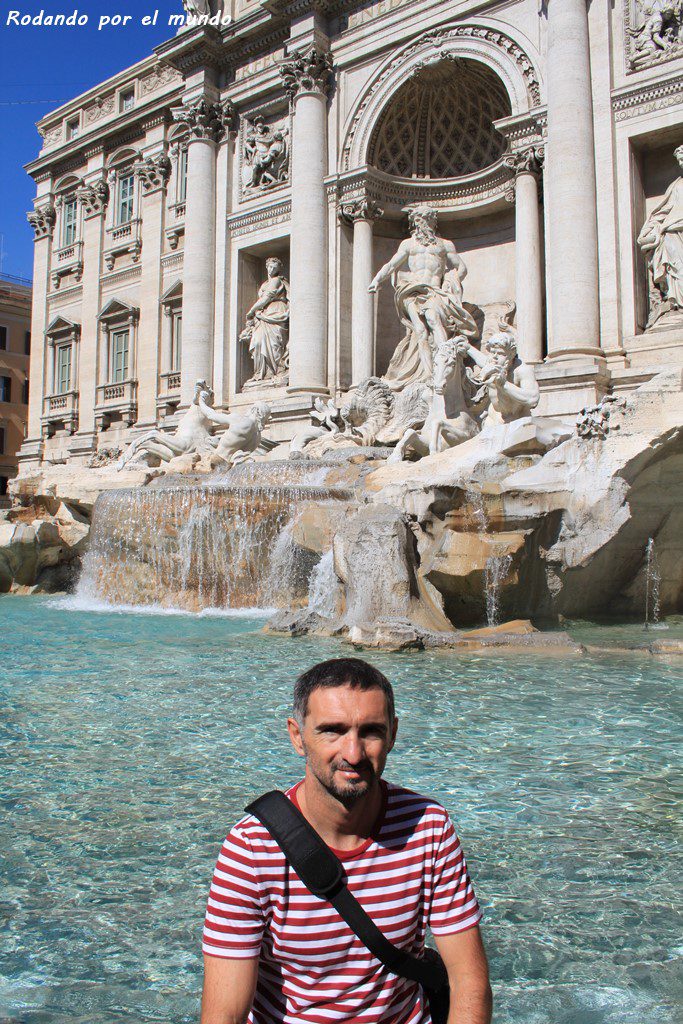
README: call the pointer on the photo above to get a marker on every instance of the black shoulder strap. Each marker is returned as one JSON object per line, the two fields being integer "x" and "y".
{"x": 322, "y": 873}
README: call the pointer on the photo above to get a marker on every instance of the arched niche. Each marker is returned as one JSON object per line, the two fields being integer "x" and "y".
{"x": 487, "y": 51}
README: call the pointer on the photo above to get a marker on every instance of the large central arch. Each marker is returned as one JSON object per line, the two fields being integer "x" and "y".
{"x": 486, "y": 46}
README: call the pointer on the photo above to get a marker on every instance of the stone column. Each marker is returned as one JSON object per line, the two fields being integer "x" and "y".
{"x": 153, "y": 173}
{"x": 528, "y": 253}
{"x": 361, "y": 213}
{"x": 42, "y": 220}
{"x": 94, "y": 198}
{"x": 206, "y": 123}
{"x": 570, "y": 185}
{"x": 306, "y": 77}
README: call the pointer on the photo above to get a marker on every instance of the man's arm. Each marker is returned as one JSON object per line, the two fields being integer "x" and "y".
{"x": 395, "y": 263}
{"x": 229, "y": 987}
{"x": 468, "y": 975}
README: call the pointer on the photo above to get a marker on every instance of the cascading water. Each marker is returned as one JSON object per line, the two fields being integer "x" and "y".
{"x": 323, "y": 588}
{"x": 208, "y": 544}
{"x": 495, "y": 573}
{"x": 653, "y": 581}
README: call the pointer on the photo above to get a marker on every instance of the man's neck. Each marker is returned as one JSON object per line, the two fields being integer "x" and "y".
{"x": 341, "y": 827}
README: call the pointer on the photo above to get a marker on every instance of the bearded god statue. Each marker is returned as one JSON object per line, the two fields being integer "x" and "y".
{"x": 427, "y": 274}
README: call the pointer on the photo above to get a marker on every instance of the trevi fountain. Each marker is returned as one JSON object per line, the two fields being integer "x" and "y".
{"x": 343, "y": 355}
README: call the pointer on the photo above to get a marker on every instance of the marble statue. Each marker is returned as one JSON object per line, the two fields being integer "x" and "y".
{"x": 324, "y": 422}
{"x": 427, "y": 274}
{"x": 244, "y": 434}
{"x": 661, "y": 239}
{"x": 439, "y": 430}
{"x": 193, "y": 433}
{"x": 661, "y": 28}
{"x": 507, "y": 385}
{"x": 201, "y": 8}
{"x": 267, "y": 327}
{"x": 265, "y": 155}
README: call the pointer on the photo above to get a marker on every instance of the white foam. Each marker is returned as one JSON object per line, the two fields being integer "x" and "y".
{"x": 83, "y": 603}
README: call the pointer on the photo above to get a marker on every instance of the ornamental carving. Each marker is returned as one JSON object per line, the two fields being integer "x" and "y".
{"x": 361, "y": 209}
{"x": 102, "y": 107}
{"x": 209, "y": 121}
{"x": 526, "y": 161}
{"x": 94, "y": 198}
{"x": 308, "y": 70}
{"x": 42, "y": 220}
{"x": 265, "y": 155}
{"x": 160, "y": 77}
{"x": 594, "y": 420}
{"x": 51, "y": 136}
{"x": 153, "y": 172}
{"x": 654, "y": 30}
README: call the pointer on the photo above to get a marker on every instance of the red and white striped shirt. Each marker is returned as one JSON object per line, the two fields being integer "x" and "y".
{"x": 411, "y": 873}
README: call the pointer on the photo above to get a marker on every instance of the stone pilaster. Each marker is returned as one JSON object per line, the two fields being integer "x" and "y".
{"x": 207, "y": 123}
{"x": 570, "y": 185}
{"x": 94, "y": 197}
{"x": 527, "y": 166}
{"x": 362, "y": 213}
{"x": 153, "y": 173}
{"x": 42, "y": 220}
{"x": 306, "y": 77}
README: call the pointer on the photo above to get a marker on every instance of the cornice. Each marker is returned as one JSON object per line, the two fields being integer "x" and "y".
{"x": 262, "y": 216}
{"x": 646, "y": 97}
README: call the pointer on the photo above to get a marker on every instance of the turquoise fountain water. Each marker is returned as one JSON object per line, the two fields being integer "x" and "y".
{"x": 129, "y": 744}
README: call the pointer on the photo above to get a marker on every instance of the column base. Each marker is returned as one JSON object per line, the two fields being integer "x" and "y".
{"x": 576, "y": 354}
{"x": 309, "y": 389}
{"x": 566, "y": 389}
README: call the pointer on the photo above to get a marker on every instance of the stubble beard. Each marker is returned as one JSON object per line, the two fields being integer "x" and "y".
{"x": 350, "y": 793}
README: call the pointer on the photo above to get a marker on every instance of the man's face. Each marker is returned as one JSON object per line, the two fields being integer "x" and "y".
{"x": 346, "y": 738}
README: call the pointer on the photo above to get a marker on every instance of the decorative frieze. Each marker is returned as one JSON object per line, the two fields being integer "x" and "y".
{"x": 51, "y": 136}
{"x": 654, "y": 32}
{"x": 647, "y": 99}
{"x": 279, "y": 213}
{"x": 153, "y": 172}
{"x": 206, "y": 121}
{"x": 307, "y": 70}
{"x": 161, "y": 76}
{"x": 103, "y": 106}
{"x": 42, "y": 220}
{"x": 93, "y": 198}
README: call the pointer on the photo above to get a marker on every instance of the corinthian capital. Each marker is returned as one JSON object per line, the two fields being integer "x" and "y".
{"x": 94, "y": 198}
{"x": 526, "y": 161}
{"x": 360, "y": 209}
{"x": 42, "y": 220}
{"x": 209, "y": 121}
{"x": 153, "y": 172}
{"x": 307, "y": 71}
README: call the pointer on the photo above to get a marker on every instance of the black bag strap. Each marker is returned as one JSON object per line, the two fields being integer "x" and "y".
{"x": 323, "y": 875}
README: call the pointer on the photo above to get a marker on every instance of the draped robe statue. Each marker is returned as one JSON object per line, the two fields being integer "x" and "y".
{"x": 661, "y": 239}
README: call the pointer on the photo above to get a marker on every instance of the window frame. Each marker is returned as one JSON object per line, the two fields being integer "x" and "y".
{"x": 69, "y": 226}
{"x": 63, "y": 349}
{"x": 8, "y": 396}
{"x": 126, "y": 175}
{"x": 4, "y": 338}
{"x": 119, "y": 374}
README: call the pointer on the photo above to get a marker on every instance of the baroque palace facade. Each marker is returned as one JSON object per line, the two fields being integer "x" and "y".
{"x": 218, "y": 211}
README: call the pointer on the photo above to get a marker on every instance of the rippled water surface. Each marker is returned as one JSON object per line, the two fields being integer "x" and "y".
{"x": 130, "y": 743}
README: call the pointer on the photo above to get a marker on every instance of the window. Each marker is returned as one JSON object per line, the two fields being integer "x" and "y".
{"x": 182, "y": 175}
{"x": 127, "y": 100}
{"x": 3, "y": 486}
{"x": 73, "y": 128}
{"x": 2, "y": 440}
{"x": 119, "y": 356}
{"x": 176, "y": 340}
{"x": 27, "y": 343}
{"x": 63, "y": 369}
{"x": 3, "y": 339}
{"x": 124, "y": 208}
{"x": 69, "y": 222}
{"x": 5, "y": 389}
{"x": 24, "y": 392}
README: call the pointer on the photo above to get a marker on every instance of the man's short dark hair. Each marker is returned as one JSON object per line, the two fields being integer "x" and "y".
{"x": 351, "y": 672}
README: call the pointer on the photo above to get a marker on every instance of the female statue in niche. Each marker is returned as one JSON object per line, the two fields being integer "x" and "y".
{"x": 267, "y": 329}
{"x": 661, "y": 239}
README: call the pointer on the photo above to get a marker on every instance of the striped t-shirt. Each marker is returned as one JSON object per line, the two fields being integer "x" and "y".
{"x": 410, "y": 873}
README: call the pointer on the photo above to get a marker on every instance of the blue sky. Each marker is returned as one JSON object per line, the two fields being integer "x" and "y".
{"x": 42, "y": 67}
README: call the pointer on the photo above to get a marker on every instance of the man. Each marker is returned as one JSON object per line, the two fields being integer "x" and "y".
{"x": 276, "y": 954}
{"x": 427, "y": 274}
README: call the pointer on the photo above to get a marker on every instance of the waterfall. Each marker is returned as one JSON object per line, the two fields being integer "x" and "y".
{"x": 323, "y": 589}
{"x": 653, "y": 580}
{"x": 224, "y": 543}
{"x": 495, "y": 573}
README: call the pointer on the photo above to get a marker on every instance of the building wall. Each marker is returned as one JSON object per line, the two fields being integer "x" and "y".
{"x": 15, "y": 346}
{"x": 107, "y": 277}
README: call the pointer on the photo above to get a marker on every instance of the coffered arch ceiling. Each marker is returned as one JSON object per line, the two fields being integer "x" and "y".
{"x": 439, "y": 123}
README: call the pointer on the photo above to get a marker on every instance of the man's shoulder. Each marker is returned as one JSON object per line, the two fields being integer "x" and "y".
{"x": 406, "y": 804}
